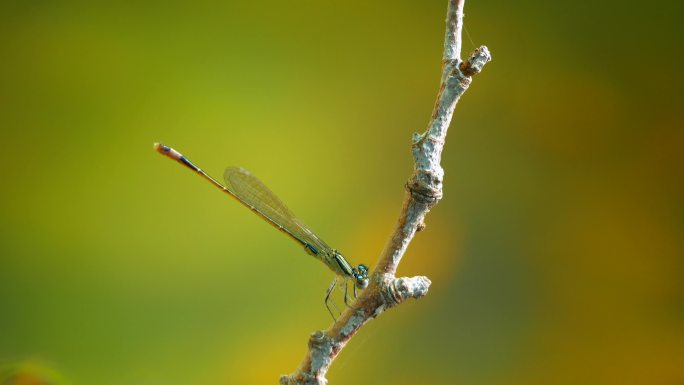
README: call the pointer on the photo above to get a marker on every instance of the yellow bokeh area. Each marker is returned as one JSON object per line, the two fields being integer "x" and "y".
{"x": 555, "y": 255}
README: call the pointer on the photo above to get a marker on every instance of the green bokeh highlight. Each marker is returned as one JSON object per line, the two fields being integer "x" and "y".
{"x": 555, "y": 255}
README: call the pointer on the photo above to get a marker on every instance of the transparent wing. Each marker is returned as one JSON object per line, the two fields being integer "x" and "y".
{"x": 255, "y": 195}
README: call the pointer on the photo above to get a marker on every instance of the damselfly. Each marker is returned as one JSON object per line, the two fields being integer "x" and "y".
{"x": 249, "y": 191}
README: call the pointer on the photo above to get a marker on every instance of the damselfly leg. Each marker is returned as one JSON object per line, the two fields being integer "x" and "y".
{"x": 328, "y": 300}
{"x": 346, "y": 290}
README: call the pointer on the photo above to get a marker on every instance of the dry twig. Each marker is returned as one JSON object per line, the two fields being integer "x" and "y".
{"x": 424, "y": 190}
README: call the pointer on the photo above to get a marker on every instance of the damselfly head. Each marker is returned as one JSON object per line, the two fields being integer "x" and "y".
{"x": 361, "y": 276}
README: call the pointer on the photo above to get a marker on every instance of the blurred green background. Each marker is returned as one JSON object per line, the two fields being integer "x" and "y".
{"x": 555, "y": 255}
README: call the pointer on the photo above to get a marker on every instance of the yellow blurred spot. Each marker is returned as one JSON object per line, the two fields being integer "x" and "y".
{"x": 30, "y": 373}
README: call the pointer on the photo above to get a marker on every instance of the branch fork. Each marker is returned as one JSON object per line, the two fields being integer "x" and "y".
{"x": 424, "y": 190}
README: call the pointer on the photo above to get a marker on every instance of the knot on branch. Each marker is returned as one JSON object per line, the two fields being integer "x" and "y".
{"x": 323, "y": 349}
{"x": 476, "y": 61}
{"x": 405, "y": 287}
{"x": 425, "y": 187}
